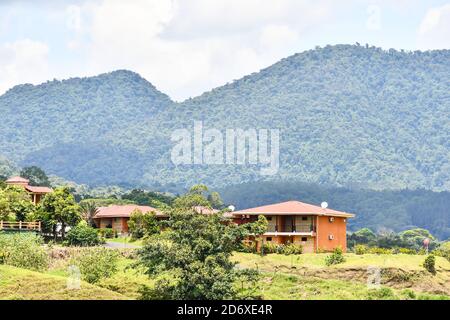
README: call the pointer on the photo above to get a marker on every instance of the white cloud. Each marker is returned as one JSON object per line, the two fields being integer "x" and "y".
{"x": 23, "y": 61}
{"x": 188, "y": 47}
{"x": 73, "y": 13}
{"x": 434, "y": 30}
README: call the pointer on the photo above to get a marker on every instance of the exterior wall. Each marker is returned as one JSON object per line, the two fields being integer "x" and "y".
{"x": 275, "y": 240}
{"x": 302, "y": 225}
{"x": 118, "y": 224}
{"x": 337, "y": 228}
{"x": 308, "y": 245}
{"x": 105, "y": 222}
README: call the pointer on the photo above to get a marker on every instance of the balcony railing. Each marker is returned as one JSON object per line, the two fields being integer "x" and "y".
{"x": 300, "y": 229}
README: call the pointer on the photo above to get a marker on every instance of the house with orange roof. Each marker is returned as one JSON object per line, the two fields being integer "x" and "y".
{"x": 117, "y": 216}
{"x": 316, "y": 228}
{"x": 36, "y": 193}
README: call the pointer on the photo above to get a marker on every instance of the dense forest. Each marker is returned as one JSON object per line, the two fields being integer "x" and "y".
{"x": 349, "y": 115}
{"x": 378, "y": 210}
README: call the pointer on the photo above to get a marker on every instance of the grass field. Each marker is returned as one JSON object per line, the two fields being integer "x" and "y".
{"x": 21, "y": 284}
{"x": 349, "y": 279}
{"x": 304, "y": 277}
{"x": 313, "y": 260}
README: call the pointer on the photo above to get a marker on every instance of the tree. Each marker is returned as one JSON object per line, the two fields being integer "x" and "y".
{"x": 36, "y": 176}
{"x": 191, "y": 258}
{"x": 59, "y": 207}
{"x": 143, "y": 224}
{"x": 258, "y": 228}
{"x": 15, "y": 204}
{"x": 88, "y": 211}
{"x": 363, "y": 236}
{"x": 414, "y": 238}
{"x": 215, "y": 200}
{"x": 196, "y": 196}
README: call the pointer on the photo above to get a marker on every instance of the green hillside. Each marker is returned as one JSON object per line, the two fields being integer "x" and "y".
{"x": 348, "y": 115}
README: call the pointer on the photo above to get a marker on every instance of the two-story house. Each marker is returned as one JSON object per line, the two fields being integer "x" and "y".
{"x": 314, "y": 227}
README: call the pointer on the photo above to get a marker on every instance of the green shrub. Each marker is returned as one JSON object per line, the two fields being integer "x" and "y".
{"x": 443, "y": 251}
{"x": 270, "y": 247}
{"x": 248, "y": 247}
{"x": 96, "y": 263}
{"x": 430, "y": 264}
{"x": 83, "y": 235}
{"x": 108, "y": 233}
{"x": 23, "y": 250}
{"x": 360, "y": 249}
{"x": 291, "y": 248}
{"x": 409, "y": 294}
{"x": 336, "y": 257}
{"x": 407, "y": 251}
{"x": 381, "y": 294}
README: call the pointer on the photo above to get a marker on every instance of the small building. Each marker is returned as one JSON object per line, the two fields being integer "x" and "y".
{"x": 36, "y": 193}
{"x": 117, "y": 216}
{"x": 313, "y": 227}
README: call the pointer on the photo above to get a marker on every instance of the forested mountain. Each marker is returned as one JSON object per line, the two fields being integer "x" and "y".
{"x": 348, "y": 115}
{"x": 379, "y": 210}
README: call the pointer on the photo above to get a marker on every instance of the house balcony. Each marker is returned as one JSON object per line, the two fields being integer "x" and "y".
{"x": 276, "y": 230}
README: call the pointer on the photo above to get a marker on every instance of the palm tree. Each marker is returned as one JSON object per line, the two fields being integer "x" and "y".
{"x": 88, "y": 212}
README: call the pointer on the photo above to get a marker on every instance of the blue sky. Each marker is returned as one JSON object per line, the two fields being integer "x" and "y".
{"x": 187, "y": 47}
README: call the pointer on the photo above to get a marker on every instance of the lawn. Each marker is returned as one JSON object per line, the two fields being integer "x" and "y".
{"x": 314, "y": 260}
{"x": 21, "y": 284}
{"x": 126, "y": 240}
{"x": 304, "y": 277}
{"x": 283, "y": 286}
{"x": 398, "y": 271}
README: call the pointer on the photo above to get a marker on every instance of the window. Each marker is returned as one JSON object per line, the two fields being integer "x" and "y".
{"x": 269, "y": 238}
{"x": 304, "y": 239}
{"x": 269, "y": 218}
{"x": 304, "y": 218}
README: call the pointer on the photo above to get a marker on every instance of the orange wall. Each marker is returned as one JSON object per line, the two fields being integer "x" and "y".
{"x": 338, "y": 228}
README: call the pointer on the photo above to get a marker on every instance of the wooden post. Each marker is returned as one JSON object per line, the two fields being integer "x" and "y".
{"x": 1, "y": 225}
{"x": 20, "y": 225}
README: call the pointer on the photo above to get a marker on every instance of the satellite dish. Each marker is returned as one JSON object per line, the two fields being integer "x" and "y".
{"x": 324, "y": 205}
{"x": 231, "y": 208}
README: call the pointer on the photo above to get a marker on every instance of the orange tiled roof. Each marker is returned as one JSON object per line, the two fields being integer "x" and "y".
{"x": 124, "y": 211}
{"x": 293, "y": 207}
{"x": 42, "y": 190}
{"x": 17, "y": 179}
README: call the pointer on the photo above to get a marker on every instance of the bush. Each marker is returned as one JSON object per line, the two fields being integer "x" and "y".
{"x": 286, "y": 249}
{"x": 270, "y": 247}
{"x": 108, "y": 233}
{"x": 430, "y": 264}
{"x": 83, "y": 235}
{"x": 407, "y": 251}
{"x": 360, "y": 249}
{"x": 335, "y": 258}
{"x": 23, "y": 250}
{"x": 381, "y": 294}
{"x": 248, "y": 247}
{"x": 96, "y": 263}
{"x": 291, "y": 248}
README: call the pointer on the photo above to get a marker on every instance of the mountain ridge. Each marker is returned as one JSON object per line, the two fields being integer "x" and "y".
{"x": 350, "y": 115}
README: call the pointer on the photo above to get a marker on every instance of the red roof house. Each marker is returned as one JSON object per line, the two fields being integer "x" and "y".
{"x": 36, "y": 193}
{"x": 314, "y": 227}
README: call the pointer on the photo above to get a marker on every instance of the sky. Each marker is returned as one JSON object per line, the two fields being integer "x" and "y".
{"x": 187, "y": 47}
